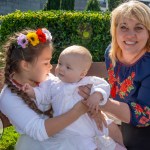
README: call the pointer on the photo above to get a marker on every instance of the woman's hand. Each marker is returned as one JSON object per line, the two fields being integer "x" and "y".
{"x": 99, "y": 117}
{"x": 85, "y": 91}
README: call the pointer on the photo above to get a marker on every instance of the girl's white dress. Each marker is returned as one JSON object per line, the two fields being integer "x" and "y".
{"x": 83, "y": 133}
{"x": 31, "y": 126}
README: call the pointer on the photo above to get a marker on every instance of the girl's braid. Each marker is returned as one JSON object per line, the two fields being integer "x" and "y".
{"x": 10, "y": 67}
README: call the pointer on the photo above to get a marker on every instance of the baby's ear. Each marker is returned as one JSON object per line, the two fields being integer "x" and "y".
{"x": 83, "y": 74}
{"x": 24, "y": 65}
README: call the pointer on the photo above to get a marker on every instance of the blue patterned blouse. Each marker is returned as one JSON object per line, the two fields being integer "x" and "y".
{"x": 131, "y": 84}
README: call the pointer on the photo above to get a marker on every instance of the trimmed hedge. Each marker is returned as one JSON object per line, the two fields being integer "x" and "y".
{"x": 89, "y": 29}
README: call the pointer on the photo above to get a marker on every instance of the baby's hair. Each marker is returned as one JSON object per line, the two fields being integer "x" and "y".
{"x": 81, "y": 52}
{"x": 14, "y": 55}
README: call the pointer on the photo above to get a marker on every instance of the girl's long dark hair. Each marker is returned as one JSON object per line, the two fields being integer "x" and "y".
{"x": 14, "y": 55}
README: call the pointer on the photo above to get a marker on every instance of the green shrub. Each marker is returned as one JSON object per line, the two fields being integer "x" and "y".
{"x": 52, "y": 5}
{"x": 59, "y": 4}
{"x": 8, "y": 139}
{"x": 67, "y": 4}
{"x": 93, "y": 5}
{"x": 89, "y": 29}
{"x": 1, "y": 18}
{"x": 114, "y": 3}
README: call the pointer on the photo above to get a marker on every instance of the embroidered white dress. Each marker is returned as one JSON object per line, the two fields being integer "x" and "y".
{"x": 31, "y": 126}
{"x": 83, "y": 133}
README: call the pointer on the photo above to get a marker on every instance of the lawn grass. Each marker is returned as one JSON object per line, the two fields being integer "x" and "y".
{"x": 8, "y": 139}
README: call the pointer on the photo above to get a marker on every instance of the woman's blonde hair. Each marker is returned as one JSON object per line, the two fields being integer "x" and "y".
{"x": 131, "y": 9}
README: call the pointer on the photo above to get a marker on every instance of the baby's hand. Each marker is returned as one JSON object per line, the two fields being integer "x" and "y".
{"x": 93, "y": 101}
{"x": 99, "y": 119}
{"x": 27, "y": 88}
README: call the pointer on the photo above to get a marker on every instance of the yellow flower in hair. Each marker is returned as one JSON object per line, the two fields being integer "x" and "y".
{"x": 33, "y": 38}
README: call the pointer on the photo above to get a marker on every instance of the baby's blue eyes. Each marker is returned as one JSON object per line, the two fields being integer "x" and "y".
{"x": 68, "y": 67}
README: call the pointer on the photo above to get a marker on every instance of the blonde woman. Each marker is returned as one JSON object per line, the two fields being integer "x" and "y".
{"x": 128, "y": 60}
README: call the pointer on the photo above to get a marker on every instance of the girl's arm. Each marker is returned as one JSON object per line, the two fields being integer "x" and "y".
{"x": 56, "y": 124}
{"x": 30, "y": 123}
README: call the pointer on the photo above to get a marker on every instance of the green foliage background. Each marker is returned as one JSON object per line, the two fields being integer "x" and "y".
{"x": 93, "y": 5}
{"x": 114, "y": 3}
{"x": 89, "y": 29}
{"x": 52, "y": 5}
{"x": 67, "y": 4}
{"x": 59, "y": 5}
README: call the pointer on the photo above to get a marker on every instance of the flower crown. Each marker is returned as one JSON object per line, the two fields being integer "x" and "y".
{"x": 40, "y": 35}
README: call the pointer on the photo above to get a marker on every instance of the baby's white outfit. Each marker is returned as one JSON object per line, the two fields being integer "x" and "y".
{"x": 82, "y": 134}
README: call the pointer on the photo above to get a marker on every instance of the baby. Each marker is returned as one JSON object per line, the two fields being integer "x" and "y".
{"x": 62, "y": 93}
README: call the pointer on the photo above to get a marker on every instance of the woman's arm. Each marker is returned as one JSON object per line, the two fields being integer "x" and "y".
{"x": 118, "y": 109}
{"x": 137, "y": 110}
{"x": 136, "y": 113}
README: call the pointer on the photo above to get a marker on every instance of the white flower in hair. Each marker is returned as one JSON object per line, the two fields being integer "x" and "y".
{"x": 48, "y": 34}
{"x": 22, "y": 40}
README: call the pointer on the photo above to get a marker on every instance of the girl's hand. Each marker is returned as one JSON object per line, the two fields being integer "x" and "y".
{"x": 85, "y": 91}
{"x": 28, "y": 89}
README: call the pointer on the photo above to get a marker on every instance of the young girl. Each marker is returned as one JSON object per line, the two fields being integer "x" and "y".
{"x": 28, "y": 54}
{"x": 73, "y": 65}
